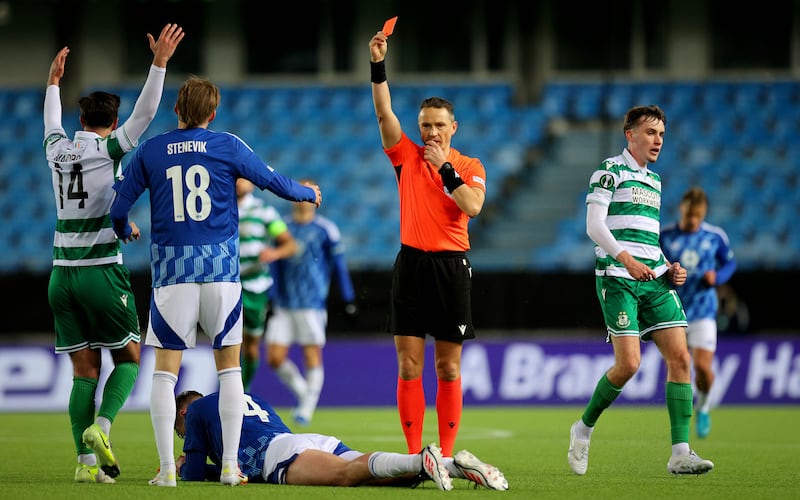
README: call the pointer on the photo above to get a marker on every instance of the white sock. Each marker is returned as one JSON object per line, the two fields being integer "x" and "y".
{"x": 231, "y": 412}
{"x": 105, "y": 425}
{"x": 703, "y": 402}
{"x": 450, "y": 465}
{"x": 386, "y": 464}
{"x": 87, "y": 459}
{"x": 292, "y": 378}
{"x": 315, "y": 378}
{"x": 583, "y": 431}
{"x": 680, "y": 449}
{"x": 162, "y": 416}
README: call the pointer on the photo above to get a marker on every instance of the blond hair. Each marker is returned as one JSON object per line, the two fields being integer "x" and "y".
{"x": 198, "y": 98}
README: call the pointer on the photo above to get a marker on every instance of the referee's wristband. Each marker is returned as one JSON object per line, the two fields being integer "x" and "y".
{"x": 377, "y": 71}
{"x": 450, "y": 177}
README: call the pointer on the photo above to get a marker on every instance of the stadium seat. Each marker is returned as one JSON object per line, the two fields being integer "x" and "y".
{"x": 556, "y": 99}
{"x": 722, "y": 135}
{"x": 587, "y": 102}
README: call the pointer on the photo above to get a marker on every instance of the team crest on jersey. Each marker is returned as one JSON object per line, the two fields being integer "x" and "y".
{"x": 124, "y": 299}
{"x": 622, "y": 320}
{"x": 606, "y": 181}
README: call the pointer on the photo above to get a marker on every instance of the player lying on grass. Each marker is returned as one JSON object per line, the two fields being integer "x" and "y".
{"x": 269, "y": 452}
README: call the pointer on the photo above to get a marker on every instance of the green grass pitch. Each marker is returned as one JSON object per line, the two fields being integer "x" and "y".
{"x": 755, "y": 451}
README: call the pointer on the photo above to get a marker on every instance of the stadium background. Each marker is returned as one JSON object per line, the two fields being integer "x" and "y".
{"x": 540, "y": 89}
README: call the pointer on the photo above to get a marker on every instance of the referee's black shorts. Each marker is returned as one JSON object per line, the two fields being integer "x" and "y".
{"x": 431, "y": 295}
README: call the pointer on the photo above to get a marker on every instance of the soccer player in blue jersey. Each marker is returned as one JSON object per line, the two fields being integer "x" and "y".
{"x": 705, "y": 251}
{"x": 269, "y": 452}
{"x": 191, "y": 174}
{"x": 299, "y": 299}
{"x": 89, "y": 290}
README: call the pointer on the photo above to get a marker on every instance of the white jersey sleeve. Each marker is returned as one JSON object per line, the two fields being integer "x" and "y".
{"x": 598, "y": 231}
{"x": 144, "y": 110}
{"x": 52, "y": 112}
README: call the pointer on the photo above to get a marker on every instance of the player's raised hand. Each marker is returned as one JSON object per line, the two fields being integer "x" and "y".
{"x": 57, "y": 67}
{"x": 163, "y": 48}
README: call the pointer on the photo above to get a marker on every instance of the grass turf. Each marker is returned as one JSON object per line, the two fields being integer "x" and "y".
{"x": 754, "y": 450}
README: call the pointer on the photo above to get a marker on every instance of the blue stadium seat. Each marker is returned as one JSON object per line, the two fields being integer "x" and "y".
{"x": 682, "y": 99}
{"x": 587, "y": 102}
{"x": 647, "y": 93}
{"x": 618, "y": 99}
{"x": 556, "y": 99}
{"x": 715, "y": 96}
{"x": 27, "y": 103}
{"x": 780, "y": 96}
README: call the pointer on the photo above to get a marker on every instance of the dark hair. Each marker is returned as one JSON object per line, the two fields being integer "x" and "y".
{"x": 642, "y": 113}
{"x": 695, "y": 196}
{"x": 99, "y": 109}
{"x": 183, "y": 399}
{"x": 439, "y": 102}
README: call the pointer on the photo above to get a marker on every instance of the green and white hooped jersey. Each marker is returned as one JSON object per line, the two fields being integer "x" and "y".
{"x": 633, "y": 197}
{"x": 259, "y": 225}
{"x": 83, "y": 172}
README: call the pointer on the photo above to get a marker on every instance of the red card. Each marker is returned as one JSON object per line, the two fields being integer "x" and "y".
{"x": 388, "y": 26}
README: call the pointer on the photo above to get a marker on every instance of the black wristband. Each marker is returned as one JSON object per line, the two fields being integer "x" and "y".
{"x": 377, "y": 71}
{"x": 450, "y": 178}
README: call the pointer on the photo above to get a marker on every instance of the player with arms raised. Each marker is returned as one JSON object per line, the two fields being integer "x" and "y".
{"x": 89, "y": 291}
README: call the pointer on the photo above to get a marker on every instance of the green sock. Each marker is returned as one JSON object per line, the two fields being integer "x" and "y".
{"x": 81, "y": 410}
{"x": 117, "y": 389}
{"x": 604, "y": 394}
{"x": 249, "y": 369}
{"x": 679, "y": 406}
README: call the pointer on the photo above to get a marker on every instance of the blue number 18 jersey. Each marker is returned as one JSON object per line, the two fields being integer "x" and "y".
{"x": 194, "y": 217}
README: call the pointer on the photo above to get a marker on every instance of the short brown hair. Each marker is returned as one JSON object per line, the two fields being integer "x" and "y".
{"x": 184, "y": 399}
{"x": 99, "y": 109}
{"x": 198, "y": 98}
{"x": 694, "y": 196}
{"x": 439, "y": 102}
{"x": 637, "y": 113}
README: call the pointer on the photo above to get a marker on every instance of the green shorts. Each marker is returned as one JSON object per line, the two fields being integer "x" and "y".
{"x": 254, "y": 312}
{"x": 638, "y": 307}
{"x": 93, "y": 306}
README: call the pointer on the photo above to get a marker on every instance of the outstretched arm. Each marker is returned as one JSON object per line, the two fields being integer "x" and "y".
{"x": 388, "y": 123}
{"x": 147, "y": 104}
{"x": 52, "y": 98}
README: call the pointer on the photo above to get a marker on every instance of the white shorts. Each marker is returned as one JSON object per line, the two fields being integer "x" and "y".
{"x": 284, "y": 448}
{"x": 176, "y": 312}
{"x": 297, "y": 326}
{"x": 702, "y": 334}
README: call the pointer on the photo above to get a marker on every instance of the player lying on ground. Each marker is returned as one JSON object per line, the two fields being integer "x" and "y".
{"x": 269, "y": 452}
